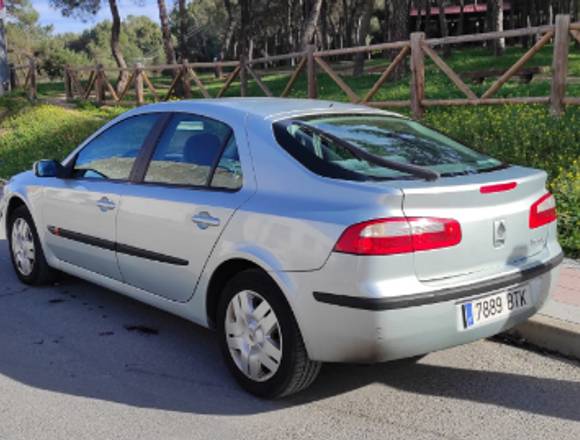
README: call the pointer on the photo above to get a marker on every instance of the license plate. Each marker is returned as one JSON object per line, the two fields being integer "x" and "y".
{"x": 491, "y": 307}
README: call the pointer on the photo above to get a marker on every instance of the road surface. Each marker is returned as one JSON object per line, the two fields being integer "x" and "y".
{"x": 80, "y": 362}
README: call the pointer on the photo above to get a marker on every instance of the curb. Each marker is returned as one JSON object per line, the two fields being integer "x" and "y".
{"x": 550, "y": 334}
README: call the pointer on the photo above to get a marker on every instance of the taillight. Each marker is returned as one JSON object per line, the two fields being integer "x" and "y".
{"x": 543, "y": 211}
{"x": 399, "y": 235}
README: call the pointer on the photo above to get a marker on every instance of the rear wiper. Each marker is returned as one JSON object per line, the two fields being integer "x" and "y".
{"x": 359, "y": 153}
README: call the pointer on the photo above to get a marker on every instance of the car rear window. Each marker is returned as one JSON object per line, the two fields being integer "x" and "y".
{"x": 389, "y": 137}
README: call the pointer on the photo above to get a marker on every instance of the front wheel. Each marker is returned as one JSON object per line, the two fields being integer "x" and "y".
{"x": 260, "y": 340}
{"x": 25, "y": 249}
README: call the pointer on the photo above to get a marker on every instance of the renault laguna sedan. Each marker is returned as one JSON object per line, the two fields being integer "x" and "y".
{"x": 301, "y": 231}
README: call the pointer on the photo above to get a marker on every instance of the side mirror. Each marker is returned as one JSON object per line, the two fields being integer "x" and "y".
{"x": 48, "y": 168}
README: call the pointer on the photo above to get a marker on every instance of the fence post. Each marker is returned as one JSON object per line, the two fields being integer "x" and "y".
{"x": 100, "y": 84}
{"x": 186, "y": 80}
{"x": 13, "y": 77}
{"x": 243, "y": 76}
{"x": 68, "y": 83}
{"x": 417, "y": 75}
{"x": 560, "y": 64}
{"x": 311, "y": 72}
{"x": 139, "y": 95}
{"x": 32, "y": 92}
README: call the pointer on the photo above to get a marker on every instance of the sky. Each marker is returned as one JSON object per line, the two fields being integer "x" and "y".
{"x": 62, "y": 24}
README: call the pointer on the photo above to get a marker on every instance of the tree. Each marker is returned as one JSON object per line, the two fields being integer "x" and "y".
{"x": 361, "y": 35}
{"x": 309, "y": 29}
{"x": 496, "y": 17}
{"x": 399, "y": 24}
{"x": 443, "y": 26}
{"x": 166, "y": 33}
{"x": 116, "y": 46}
{"x": 182, "y": 14}
{"x": 82, "y": 8}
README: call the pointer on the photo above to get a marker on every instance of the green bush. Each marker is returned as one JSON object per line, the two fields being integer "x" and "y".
{"x": 566, "y": 188}
{"x": 44, "y": 131}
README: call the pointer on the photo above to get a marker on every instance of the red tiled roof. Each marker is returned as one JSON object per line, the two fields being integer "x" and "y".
{"x": 456, "y": 10}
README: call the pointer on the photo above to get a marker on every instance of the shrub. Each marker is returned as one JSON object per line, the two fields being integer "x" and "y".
{"x": 44, "y": 131}
{"x": 566, "y": 188}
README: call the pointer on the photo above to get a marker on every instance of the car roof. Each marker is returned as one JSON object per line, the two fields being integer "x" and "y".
{"x": 264, "y": 108}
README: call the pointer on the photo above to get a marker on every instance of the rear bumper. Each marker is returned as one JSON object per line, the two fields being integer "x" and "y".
{"x": 339, "y": 328}
{"x": 441, "y": 295}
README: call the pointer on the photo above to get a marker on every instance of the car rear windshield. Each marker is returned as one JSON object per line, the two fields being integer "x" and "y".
{"x": 389, "y": 137}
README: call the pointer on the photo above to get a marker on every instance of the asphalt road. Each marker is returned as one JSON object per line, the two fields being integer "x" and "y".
{"x": 79, "y": 362}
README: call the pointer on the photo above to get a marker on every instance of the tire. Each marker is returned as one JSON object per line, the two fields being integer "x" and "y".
{"x": 294, "y": 371}
{"x": 38, "y": 272}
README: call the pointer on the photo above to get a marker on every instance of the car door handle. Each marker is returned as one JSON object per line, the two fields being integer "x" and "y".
{"x": 204, "y": 220}
{"x": 105, "y": 204}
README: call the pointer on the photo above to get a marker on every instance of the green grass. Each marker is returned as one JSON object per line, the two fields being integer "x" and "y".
{"x": 518, "y": 134}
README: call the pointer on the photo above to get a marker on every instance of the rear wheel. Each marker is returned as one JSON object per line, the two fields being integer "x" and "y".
{"x": 260, "y": 340}
{"x": 25, "y": 249}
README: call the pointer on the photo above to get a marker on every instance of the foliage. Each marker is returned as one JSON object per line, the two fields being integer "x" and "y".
{"x": 206, "y": 22}
{"x": 45, "y": 131}
{"x": 566, "y": 188}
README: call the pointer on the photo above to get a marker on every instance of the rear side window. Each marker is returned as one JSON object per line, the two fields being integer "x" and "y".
{"x": 196, "y": 151}
{"x": 393, "y": 138}
{"x": 111, "y": 154}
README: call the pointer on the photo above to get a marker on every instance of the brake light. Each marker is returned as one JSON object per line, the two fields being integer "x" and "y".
{"x": 399, "y": 235}
{"x": 543, "y": 211}
{"x": 499, "y": 187}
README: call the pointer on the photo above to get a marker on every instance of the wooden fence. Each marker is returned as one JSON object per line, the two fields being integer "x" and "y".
{"x": 418, "y": 48}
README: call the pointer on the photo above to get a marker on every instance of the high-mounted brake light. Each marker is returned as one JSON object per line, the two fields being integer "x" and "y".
{"x": 399, "y": 235}
{"x": 499, "y": 187}
{"x": 543, "y": 211}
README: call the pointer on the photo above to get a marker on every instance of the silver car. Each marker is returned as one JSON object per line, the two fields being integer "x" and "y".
{"x": 302, "y": 231}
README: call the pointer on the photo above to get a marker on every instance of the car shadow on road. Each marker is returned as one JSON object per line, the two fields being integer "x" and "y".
{"x": 78, "y": 339}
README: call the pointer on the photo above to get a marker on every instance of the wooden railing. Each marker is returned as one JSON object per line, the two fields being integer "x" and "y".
{"x": 25, "y": 74}
{"x": 418, "y": 48}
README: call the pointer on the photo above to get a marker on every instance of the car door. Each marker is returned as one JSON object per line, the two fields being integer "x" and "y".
{"x": 80, "y": 211}
{"x": 168, "y": 224}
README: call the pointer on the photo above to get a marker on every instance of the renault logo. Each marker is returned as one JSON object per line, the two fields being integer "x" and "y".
{"x": 499, "y": 233}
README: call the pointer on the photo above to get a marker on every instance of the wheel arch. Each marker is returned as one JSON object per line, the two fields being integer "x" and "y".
{"x": 14, "y": 203}
{"x": 225, "y": 272}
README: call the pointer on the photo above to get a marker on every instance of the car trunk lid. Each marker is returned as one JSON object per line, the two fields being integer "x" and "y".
{"x": 493, "y": 210}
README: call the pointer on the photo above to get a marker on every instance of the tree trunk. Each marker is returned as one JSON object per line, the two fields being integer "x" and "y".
{"x": 116, "y": 45}
{"x": 361, "y": 36}
{"x": 461, "y": 23}
{"x": 497, "y": 25}
{"x": 419, "y": 20}
{"x": 244, "y": 27}
{"x": 166, "y": 33}
{"x": 427, "y": 17}
{"x": 230, "y": 29}
{"x": 311, "y": 23}
{"x": 443, "y": 26}
{"x": 182, "y": 14}
{"x": 399, "y": 24}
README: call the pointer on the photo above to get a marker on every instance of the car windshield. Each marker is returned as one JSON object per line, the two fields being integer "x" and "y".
{"x": 389, "y": 137}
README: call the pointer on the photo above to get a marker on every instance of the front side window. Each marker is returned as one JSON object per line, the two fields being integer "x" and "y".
{"x": 196, "y": 151}
{"x": 111, "y": 154}
{"x": 393, "y": 138}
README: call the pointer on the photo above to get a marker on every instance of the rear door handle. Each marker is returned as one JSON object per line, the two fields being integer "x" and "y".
{"x": 105, "y": 204}
{"x": 204, "y": 220}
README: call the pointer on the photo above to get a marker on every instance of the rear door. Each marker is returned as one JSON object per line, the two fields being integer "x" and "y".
{"x": 169, "y": 223}
{"x": 80, "y": 211}
{"x": 494, "y": 221}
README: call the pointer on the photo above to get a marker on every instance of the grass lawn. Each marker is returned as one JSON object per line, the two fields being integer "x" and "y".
{"x": 524, "y": 135}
